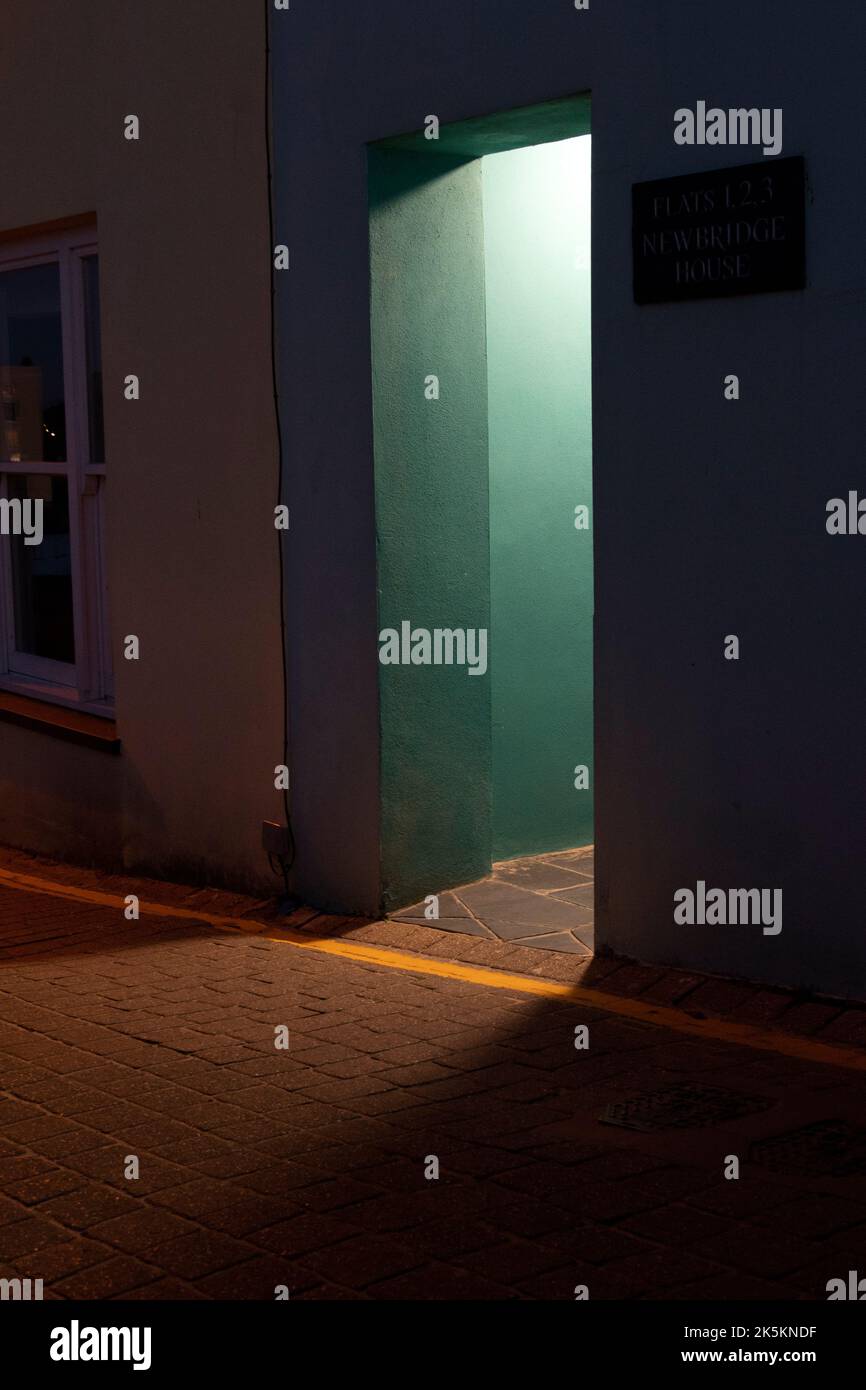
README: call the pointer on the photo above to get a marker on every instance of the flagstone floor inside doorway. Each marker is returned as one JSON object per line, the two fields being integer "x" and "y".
{"x": 544, "y": 901}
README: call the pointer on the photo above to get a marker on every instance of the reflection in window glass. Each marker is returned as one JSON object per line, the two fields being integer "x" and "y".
{"x": 42, "y": 574}
{"x": 93, "y": 345}
{"x": 33, "y": 418}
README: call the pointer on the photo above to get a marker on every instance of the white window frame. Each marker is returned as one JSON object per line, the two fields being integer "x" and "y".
{"x": 87, "y": 683}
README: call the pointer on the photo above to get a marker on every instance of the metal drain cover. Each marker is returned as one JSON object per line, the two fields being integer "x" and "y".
{"x": 682, "y": 1107}
{"x": 828, "y": 1148}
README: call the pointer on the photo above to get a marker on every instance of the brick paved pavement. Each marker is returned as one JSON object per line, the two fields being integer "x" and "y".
{"x": 305, "y": 1167}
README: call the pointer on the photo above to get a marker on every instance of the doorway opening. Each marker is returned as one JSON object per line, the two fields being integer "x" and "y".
{"x": 481, "y": 343}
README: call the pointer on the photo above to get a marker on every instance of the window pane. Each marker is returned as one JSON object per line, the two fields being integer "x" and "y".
{"x": 33, "y": 423}
{"x": 93, "y": 343}
{"x": 42, "y": 574}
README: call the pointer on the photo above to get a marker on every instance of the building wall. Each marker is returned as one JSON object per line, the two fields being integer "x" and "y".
{"x": 539, "y": 386}
{"x": 709, "y": 515}
{"x": 427, "y": 267}
{"x": 192, "y": 555}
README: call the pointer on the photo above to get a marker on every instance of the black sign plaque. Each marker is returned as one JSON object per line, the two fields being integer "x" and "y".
{"x": 729, "y": 231}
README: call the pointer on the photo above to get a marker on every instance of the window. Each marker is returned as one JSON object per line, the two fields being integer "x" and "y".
{"x": 53, "y": 611}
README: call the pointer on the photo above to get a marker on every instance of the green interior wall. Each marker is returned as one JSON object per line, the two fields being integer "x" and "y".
{"x": 431, "y": 463}
{"x": 440, "y": 780}
{"x": 537, "y": 256}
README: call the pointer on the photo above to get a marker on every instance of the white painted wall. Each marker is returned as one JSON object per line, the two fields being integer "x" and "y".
{"x": 709, "y": 516}
{"x": 192, "y": 554}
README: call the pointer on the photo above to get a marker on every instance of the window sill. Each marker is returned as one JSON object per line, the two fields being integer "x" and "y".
{"x": 91, "y": 730}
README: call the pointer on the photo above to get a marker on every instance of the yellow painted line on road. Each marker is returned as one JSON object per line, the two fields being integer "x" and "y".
{"x": 803, "y": 1049}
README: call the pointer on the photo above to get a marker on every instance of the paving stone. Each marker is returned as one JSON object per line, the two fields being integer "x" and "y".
{"x": 193, "y": 1256}
{"x": 538, "y": 875}
{"x": 582, "y": 860}
{"x": 808, "y": 1018}
{"x": 22, "y": 1238}
{"x": 139, "y": 1230}
{"x": 32, "y": 1191}
{"x": 44, "y": 1127}
{"x": 511, "y": 1262}
{"x": 258, "y": 1279}
{"x": 655, "y": 1270}
{"x": 557, "y": 1284}
{"x": 363, "y": 1260}
{"x": 108, "y": 1279}
{"x": 89, "y": 1205}
{"x": 560, "y": 941}
{"x": 718, "y": 998}
{"x": 248, "y": 1215}
{"x": 581, "y": 898}
{"x": 165, "y": 1291}
{"x": 55, "y": 1262}
{"x": 301, "y": 1234}
{"x": 512, "y": 912}
{"x": 729, "y": 1287}
{"x": 12, "y": 1211}
{"x": 742, "y": 1199}
{"x": 440, "y": 1282}
{"x": 816, "y": 1216}
{"x": 313, "y": 1162}
{"x": 525, "y": 1217}
{"x": 848, "y": 1027}
{"x": 759, "y": 1251}
{"x": 593, "y": 1243}
{"x": 677, "y": 1224}
{"x": 450, "y": 907}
